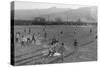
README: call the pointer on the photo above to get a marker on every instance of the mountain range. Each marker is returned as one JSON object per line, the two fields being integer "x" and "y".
{"x": 87, "y": 14}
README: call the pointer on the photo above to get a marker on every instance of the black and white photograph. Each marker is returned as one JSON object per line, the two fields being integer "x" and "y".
{"x": 50, "y": 33}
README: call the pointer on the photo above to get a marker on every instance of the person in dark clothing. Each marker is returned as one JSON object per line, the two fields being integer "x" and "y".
{"x": 75, "y": 43}
{"x": 96, "y": 37}
{"x": 62, "y": 51}
{"x": 33, "y": 38}
{"x": 90, "y": 31}
{"x": 17, "y": 36}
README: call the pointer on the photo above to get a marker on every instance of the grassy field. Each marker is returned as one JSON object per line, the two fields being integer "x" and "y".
{"x": 86, "y": 50}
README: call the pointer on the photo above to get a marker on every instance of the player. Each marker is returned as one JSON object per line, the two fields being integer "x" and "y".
{"x": 17, "y": 37}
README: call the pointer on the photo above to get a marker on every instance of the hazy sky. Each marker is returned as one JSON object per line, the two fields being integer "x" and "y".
{"x": 35, "y": 5}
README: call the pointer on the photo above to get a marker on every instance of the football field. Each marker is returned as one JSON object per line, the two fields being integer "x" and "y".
{"x": 86, "y": 49}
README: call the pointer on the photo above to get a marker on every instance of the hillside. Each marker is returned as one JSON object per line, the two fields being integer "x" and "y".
{"x": 87, "y": 14}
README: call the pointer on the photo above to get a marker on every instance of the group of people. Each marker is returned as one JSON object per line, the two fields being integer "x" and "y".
{"x": 36, "y": 38}
{"x": 53, "y": 47}
{"x": 27, "y": 39}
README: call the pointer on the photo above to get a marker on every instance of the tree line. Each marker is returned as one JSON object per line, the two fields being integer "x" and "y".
{"x": 43, "y": 21}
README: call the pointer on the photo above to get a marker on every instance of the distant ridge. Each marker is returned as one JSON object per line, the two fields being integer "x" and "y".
{"x": 88, "y": 14}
